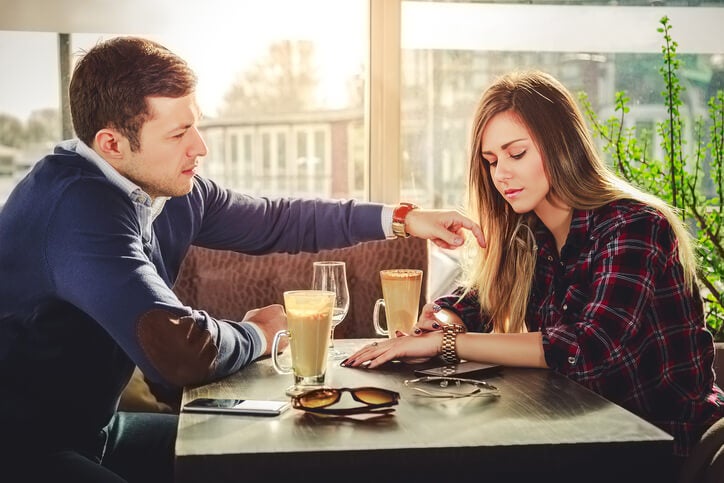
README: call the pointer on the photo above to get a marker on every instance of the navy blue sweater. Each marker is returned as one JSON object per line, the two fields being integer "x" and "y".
{"x": 76, "y": 277}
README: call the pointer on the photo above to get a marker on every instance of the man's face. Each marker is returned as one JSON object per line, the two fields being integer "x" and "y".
{"x": 167, "y": 160}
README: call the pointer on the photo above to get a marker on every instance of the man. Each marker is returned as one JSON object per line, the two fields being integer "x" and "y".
{"x": 91, "y": 242}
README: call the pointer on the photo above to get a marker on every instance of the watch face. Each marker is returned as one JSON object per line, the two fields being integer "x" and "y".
{"x": 399, "y": 214}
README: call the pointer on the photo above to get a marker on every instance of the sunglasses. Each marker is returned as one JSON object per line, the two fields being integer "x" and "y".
{"x": 319, "y": 400}
{"x": 452, "y": 387}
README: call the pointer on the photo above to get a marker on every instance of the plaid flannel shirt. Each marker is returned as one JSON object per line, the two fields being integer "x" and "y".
{"x": 615, "y": 316}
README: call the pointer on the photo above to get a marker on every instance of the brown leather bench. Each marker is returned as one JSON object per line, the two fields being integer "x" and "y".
{"x": 228, "y": 284}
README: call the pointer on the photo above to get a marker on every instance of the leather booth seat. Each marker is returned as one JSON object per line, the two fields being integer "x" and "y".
{"x": 228, "y": 284}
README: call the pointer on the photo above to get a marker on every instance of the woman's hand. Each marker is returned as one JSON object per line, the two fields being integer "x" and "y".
{"x": 428, "y": 321}
{"x": 400, "y": 348}
{"x": 432, "y": 318}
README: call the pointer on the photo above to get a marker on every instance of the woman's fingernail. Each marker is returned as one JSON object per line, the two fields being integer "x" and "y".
{"x": 435, "y": 325}
{"x": 436, "y": 308}
{"x": 418, "y": 331}
{"x": 343, "y": 363}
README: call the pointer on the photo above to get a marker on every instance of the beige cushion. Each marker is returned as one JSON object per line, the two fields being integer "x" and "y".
{"x": 137, "y": 397}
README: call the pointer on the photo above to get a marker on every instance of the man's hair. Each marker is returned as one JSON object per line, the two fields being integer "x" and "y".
{"x": 112, "y": 80}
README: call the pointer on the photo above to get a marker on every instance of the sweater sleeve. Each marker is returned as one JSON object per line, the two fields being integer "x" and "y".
{"x": 256, "y": 225}
{"x": 100, "y": 263}
{"x": 102, "y": 266}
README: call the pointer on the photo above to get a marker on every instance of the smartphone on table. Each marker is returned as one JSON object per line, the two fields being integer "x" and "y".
{"x": 466, "y": 369}
{"x": 255, "y": 407}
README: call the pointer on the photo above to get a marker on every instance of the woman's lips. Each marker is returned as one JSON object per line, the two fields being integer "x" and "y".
{"x": 513, "y": 193}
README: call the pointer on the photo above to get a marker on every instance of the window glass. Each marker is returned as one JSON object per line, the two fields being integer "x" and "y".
{"x": 301, "y": 162}
{"x": 452, "y": 50}
{"x": 29, "y": 100}
{"x": 320, "y": 162}
{"x": 264, "y": 69}
{"x": 357, "y": 172}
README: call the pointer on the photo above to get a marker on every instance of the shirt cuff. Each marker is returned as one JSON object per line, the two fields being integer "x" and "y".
{"x": 386, "y": 219}
{"x": 262, "y": 339}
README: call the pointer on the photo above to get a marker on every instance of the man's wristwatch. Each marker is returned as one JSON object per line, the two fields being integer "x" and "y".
{"x": 398, "y": 219}
{"x": 448, "y": 350}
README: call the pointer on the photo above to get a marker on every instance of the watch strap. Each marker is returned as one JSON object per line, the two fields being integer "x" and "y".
{"x": 398, "y": 219}
{"x": 448, "y": 350}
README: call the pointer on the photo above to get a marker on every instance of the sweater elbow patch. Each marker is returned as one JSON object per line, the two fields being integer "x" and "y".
{"x": 182, "y": 352}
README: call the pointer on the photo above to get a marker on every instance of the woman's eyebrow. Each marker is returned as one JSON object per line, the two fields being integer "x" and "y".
{"x": 505, "y": 146}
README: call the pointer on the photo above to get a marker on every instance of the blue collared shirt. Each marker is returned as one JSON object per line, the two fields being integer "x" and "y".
{"x": 146, "y": 208}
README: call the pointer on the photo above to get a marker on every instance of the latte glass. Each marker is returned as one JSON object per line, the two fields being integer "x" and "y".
{"x": 401, "y": 301}
{"x": 309, "y": 321}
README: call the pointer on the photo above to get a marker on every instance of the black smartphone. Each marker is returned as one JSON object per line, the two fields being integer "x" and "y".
{"x": 467, "y": 369}
{"x": 236, "y": 406}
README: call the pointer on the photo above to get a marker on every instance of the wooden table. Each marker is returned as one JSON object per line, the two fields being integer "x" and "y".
{"x": 543, "y": 427}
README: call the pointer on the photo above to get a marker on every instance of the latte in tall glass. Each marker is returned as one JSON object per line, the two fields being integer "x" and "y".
{"x": 309, "y": 321}
{"x": 309, "y": 340}
{"x": 401, "y": 300}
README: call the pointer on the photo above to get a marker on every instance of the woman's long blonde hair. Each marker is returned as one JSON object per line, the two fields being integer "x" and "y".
{"x": 502, "y": 274}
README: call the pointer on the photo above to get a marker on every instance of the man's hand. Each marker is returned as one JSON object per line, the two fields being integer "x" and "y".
{"x": 443, "y": 227}
{"x": 270, "y": 319}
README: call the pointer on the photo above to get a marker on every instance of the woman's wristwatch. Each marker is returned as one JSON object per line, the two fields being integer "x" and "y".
{"x": 448, "y": 350}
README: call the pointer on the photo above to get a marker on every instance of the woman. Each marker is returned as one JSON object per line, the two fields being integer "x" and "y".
{"x": 582, "y": 273}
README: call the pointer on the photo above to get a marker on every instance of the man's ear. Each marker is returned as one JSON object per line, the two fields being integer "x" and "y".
{"x": 111, "y": 144}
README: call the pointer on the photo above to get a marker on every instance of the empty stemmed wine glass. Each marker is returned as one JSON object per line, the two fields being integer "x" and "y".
{"x": 332, "y": 277}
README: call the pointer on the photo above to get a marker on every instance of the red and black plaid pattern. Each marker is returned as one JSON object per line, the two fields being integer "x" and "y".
{"x": 616, "y": 317}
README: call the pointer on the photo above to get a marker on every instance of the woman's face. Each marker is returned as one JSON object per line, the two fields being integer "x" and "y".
{"x": 516, "y": 165}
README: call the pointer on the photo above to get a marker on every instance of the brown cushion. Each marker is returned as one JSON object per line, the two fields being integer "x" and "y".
{"x": 228, "y": 284}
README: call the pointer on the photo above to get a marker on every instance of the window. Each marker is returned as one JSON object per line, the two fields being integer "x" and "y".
{"x": 265, "y": 68}
{"x": 441, "y": 54}
{"x": 452, "y": 50}
{"x": 373, "y": 104}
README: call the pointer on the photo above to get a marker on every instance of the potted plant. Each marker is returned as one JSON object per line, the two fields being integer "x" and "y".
{"x": 692, "y": 159}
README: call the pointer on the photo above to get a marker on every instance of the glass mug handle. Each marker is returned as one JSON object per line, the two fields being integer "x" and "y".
{"x": 376, "y": 317}
{"x": 275, "y": 353}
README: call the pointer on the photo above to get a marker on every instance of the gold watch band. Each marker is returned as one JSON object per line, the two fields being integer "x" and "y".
{"x": 449, "y": 351}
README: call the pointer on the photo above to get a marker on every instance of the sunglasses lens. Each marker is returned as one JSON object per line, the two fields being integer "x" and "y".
{"x": 371, "y": 395}
{"x": 318, "y": 398}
